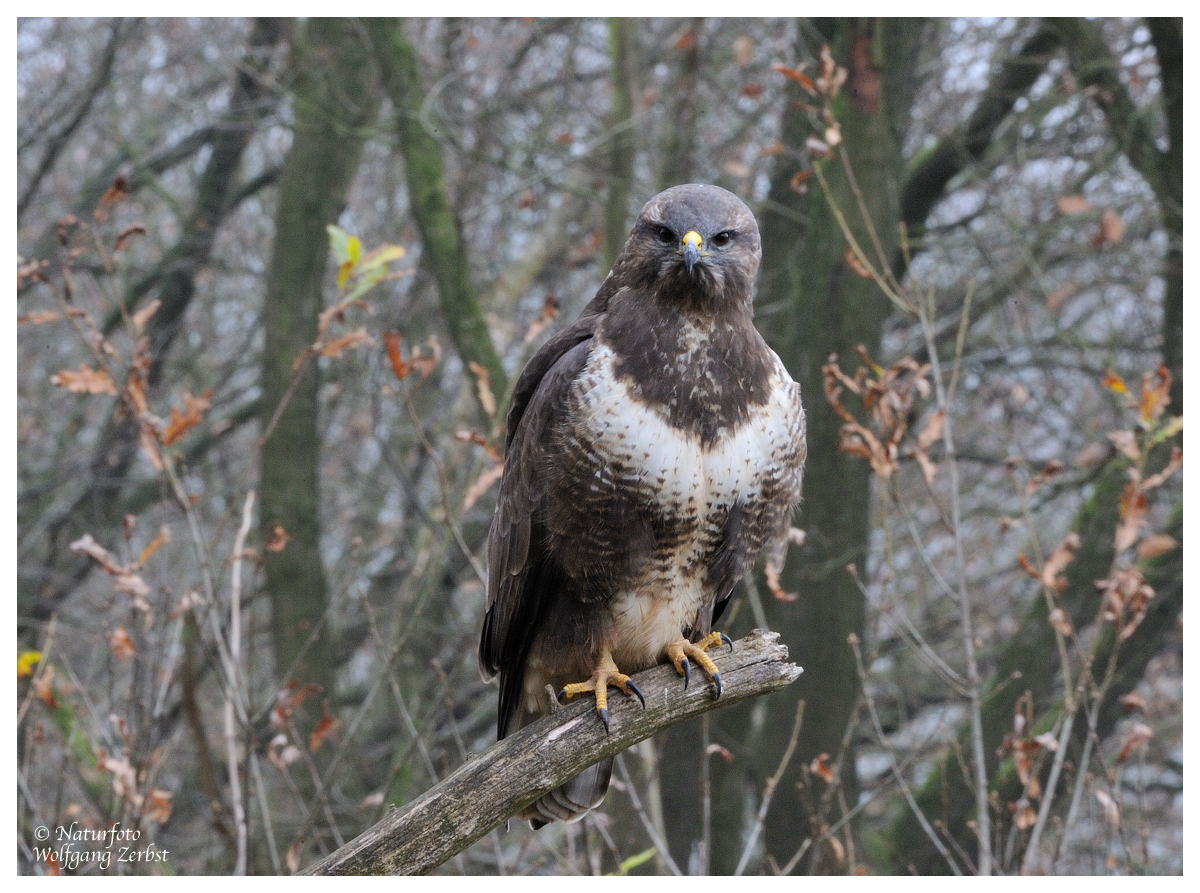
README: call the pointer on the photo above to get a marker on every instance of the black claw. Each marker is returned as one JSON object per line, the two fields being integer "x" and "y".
{"x": 562, "y": 696}
{"x": 717, "y": 683}
{"x": 687, "y": 673}
{"x": 603, "y": 711}
{"x": 637, "y": 691}
{"x": 728, "y": 641}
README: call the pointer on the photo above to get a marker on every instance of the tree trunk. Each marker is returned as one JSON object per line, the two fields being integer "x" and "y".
{"x": 828, "y": 308}
{"x": 443, "y": 247}
{"x": 334, "y": 96}
{"x": 1024, "y": 664}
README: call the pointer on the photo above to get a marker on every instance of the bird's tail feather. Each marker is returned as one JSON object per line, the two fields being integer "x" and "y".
{"x": 573, "y": 800}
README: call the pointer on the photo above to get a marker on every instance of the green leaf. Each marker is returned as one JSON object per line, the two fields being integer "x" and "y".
{"x": 348, "y": 251}
{"x": 633, "y": 862}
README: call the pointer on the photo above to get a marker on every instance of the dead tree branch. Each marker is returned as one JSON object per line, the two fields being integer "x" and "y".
{"x": 512, "y": 773}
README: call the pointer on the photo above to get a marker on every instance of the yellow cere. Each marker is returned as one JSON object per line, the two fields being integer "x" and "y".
{"x": 693, "y": 238}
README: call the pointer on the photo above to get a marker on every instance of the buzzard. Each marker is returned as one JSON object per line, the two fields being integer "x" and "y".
{"x": 655, "y": 448}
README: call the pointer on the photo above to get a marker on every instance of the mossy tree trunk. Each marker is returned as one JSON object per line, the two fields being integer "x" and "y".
{"x": 1028, "y": 662}
{"x": 827, "y": 308}
{"x": 335, "y": 94}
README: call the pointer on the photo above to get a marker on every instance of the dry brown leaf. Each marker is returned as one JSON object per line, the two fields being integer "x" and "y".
{"x": 1112, "y": 812}
{"x": 1156, "y": 545}
{"x": 855, "y": 263}
{"x": 338, "y": 346}
{"x": 121, "y": 644}
{"x": 1072, "y": 204}
{"x": 424, "y": 363}
{"x": 1061, "y": 622}
{"x": 539, "y": 325}
{"x": 484, "y": 482}
{"x": 483, "y": 385}
{"x": 1133, "y": 514}
{"x": 86, "y": 545}
{"x": 325, "y": 727}
{"x": 38, "y": 317}
{"x": 1137, "y": 738}
{"x": 797, "y": 75}
{"x": 393, "y": 342}
{"x": 1156, "y": 394}
{"x": 1091, "y": 454}
{"x": 293, "y": 856}
{"x": 1132, "y": 701}
{"x": 1126, "y": 442}
{"x": 1172, "y": 466}
{"x": 164, "y": 536}
{"x": 290, "y": 697}
{"x": 144, "y": 315}
{"x": 723, "y": 752}
{"x": 43, "y": 687}
{"x": 777, "y": 590}
{"x": 184, "y": 421}
{"x": 822, "y": 768}
{"x": 86, "y": 381}
{"x": 117, "y": 192}
{"x": 123, "y": 237}
{"x": 158, "y": 805}
{"x": 1058, "y": 561}
{"x": 1025, "y": 817}
{"x": 1112, "y": 228}
{"x": 279, "y": 539}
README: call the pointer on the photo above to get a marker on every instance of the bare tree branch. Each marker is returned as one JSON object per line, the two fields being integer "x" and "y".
{"x": 514, "y": 772}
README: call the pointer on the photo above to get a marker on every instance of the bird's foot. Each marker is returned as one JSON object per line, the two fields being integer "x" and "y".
{"x": 678, "y": 653}
{"x": 606, "y": 674}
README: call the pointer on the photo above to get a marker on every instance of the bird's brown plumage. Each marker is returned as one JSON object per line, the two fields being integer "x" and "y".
{"x": 655, "y": 447}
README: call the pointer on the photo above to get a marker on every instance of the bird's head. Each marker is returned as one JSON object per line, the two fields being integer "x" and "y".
{"x": 695, "y": 244}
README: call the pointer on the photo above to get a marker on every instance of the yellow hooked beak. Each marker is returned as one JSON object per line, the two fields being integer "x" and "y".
{"x": 691, "y": 246}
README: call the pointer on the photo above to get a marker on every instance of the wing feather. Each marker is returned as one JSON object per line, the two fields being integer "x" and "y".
{"x": 523, "y": 575}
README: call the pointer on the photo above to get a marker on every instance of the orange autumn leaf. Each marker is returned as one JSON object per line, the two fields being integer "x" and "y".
{"x": 158, "y": 806}
{"x": 144, "y": 315}
{"x": 338, "y": 346}
{"x": 86, "y": 381}
{"x": 483, "y": 385}
{"x": 164, "y": 536}
{"x": 38, "y": 317}
{"x": 822, "y": 768}
{"x": 121, "y": 644}
{"x": 798, "y": 76}
{"x": 549, "y": 311}
{"x": 325, "y": 727}
{"x": 279, "y": 539}
{"x": 184, "y": 421}
{"x": 1137, "y": 738}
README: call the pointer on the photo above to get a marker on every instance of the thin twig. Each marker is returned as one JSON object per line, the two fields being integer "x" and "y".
{"x": 769, "y": 791}
{"x": 235, "y": 655}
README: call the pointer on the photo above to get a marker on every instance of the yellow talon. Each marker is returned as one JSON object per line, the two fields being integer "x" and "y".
{"x": 678, "y": 653}
{"x": 606, "y": 674}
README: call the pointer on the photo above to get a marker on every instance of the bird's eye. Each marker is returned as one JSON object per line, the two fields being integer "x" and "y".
{"x": 723, "y": 238}
{"x": 664, "y": 235}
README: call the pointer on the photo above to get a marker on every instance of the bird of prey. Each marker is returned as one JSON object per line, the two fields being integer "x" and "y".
{"x": 654, "y": 449}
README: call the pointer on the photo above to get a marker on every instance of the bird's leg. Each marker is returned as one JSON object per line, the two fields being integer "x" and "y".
{"x": 605, "y": 674}
{"x": 679, "y": 651}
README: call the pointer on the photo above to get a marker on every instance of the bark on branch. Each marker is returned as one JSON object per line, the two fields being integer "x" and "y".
{"x": 512, "y": 773}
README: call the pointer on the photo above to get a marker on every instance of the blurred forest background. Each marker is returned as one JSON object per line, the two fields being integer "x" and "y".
{"x": 257, "y": 456}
